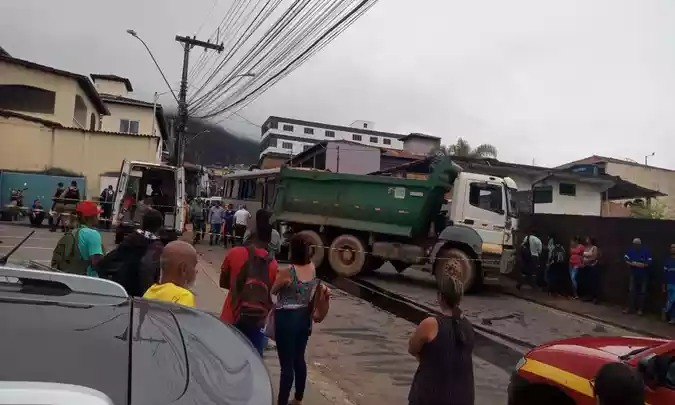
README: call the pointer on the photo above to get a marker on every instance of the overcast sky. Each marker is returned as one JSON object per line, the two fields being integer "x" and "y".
{"x": 544, "y": 81}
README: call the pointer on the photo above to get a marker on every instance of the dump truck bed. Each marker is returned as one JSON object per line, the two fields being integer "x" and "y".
{"x": 377, "y": 204}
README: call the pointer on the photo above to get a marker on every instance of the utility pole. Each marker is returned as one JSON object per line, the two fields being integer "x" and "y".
{"x": 188, "y": 44}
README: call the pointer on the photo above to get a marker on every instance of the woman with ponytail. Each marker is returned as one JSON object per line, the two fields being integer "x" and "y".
{"x": 443, "y": 345}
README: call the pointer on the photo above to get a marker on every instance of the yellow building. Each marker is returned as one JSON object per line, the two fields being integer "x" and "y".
{"x": 51, "y": 118}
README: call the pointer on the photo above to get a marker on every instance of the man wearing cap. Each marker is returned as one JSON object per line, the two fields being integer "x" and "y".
{"x": 88, "y": 238}
{"x": 638, "y": 258}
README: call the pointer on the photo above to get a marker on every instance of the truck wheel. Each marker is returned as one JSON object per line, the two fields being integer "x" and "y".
{"x": 455, "y": 263}
{"x": 347, "y": 255}
{"x": 317, "y": 251}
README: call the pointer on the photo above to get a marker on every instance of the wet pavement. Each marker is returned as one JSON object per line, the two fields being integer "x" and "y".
{"x": 505, "y": 314}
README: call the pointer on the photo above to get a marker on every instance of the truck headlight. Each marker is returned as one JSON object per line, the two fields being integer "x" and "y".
{"x": 521, "y": 363}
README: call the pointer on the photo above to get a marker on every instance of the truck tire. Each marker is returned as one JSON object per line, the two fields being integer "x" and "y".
{"x": 318, "y": 251}
{"x": 347, "y": 255}
{"x": 456, "y": 263}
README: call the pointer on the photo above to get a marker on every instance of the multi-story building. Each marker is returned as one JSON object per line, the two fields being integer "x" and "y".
{"x": 283, "y": 138}
{"x": 55, "y": 119}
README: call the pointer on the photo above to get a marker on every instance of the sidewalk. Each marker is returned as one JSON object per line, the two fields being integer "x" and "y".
{"x": 210, "y": 298}
{"x": 648, "y": 325}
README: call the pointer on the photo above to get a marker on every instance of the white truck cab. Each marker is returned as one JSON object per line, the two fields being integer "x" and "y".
{"x": 163, "y": 186}
{"x": 484, "y": 203}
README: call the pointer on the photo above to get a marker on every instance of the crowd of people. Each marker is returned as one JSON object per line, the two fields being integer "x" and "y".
{"x": 575, "y": 271}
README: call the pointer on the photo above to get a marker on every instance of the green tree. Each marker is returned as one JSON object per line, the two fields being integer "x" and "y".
{"x": 463, "y": 148}
{"x": 653, "y": 210}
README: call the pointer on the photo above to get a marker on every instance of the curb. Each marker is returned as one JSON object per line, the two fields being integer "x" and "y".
{"x": 589, "y": 317}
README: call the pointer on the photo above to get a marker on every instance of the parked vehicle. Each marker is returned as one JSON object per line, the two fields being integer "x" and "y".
{"x": 140, "y": 180}
{"x": 16, "y": 196}
{"x": 82, "y": 340}
{"x": 562, "y": 372}
{"x": 357, "y": 222}
{"x": 15, "y": 208}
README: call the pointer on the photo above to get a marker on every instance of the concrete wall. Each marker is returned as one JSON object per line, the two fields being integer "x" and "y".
{"x": 65, "y": 88}
{"x": 662, "y": 180}
{"x": 421, "y": 146}
{"x": 351, "y": 158}
{"x": 118, "y": 112}
{"x": 113, "y": 87}
{"x": 34, "y": 147}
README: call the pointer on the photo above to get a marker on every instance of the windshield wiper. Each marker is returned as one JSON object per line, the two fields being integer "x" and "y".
{"x": 633, "y": 353}
{"x": 5, "y": 258}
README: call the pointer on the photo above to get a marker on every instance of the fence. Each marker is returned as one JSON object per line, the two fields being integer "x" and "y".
{"x": 614, "y": 237}
{"x": 40, "y": 186}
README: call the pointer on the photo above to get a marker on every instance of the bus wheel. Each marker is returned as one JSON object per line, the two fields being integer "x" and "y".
{"x": 455, "y": 263}
{"x": 347, "y": 255}
{"x": 317, "y": 250}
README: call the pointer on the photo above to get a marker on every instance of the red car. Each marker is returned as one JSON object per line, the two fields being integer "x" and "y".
{"x": 562, "y": 372}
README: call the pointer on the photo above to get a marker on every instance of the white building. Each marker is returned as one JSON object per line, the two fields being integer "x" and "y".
{"x": 128, "y": 115}
{"x": 289, "y": 137}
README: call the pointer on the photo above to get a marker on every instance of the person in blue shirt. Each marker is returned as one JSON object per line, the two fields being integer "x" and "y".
{"x": 88, "y": 238}
{"x": 638, "y": 258}
{"x": 669, "y": 286}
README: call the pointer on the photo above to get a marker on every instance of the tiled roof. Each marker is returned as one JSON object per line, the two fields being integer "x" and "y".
{"x": 83, "y": 81}
{"x": 594, "y": 159}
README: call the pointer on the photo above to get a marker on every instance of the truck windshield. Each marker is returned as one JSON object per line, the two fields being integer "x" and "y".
{"x": 511, "y": 206}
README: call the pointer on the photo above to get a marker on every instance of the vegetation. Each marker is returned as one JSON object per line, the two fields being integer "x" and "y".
{"x": 210, "y": 144}
{"x": 653, "y": 210}
{"x": 462, "y": 148}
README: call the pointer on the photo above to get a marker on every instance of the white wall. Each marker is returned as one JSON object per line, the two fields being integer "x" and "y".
{"x": 587, "y": 201}
{"x": 319, "y": 136}
{"x": 118, "y": 112}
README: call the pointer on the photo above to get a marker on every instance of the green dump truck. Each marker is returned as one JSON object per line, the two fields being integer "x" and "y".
{"x": 358, "y": 222}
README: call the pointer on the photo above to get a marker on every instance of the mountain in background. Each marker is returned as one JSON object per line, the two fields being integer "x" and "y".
{"x": 209, "y": 144}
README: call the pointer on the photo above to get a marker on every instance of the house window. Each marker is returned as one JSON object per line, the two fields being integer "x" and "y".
{"x": 542, "y": 194}
{"x": 386, "y": 141}
{"x": 373, "y": 139}
{"x": 18, "y": 97}
{"x": 309, "y": 131}
{"x": 567, "y": 189}
{"x": 128, "y": 127}
{"x": 486, "y": 196}
{"x": 288, "y": 128}
{"x": 80, "y": 111}
{"x": 273, "y": 142}
{"x": 287, "y": 145}
{"x": 357, "y": 137}
{"x": 92, "y": 122}
{"x": 365, "y": 125}
{"x": 330, "y": 134}
{"x": 306, "y": 147}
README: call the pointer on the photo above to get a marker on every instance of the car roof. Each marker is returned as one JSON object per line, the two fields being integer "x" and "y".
{"x": 53, "y": 332}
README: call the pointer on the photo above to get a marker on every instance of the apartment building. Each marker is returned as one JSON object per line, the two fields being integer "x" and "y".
{"x": 288, "y": 137}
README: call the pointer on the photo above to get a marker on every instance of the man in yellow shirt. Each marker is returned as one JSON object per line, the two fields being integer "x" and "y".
{"x": 178, "y": 264}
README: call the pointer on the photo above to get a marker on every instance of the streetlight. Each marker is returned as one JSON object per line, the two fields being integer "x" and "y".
{"x": 135, "y": 35}
{"x": 648, "y": 156}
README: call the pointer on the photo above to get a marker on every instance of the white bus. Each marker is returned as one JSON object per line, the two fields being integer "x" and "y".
{"x": 253, "y": 188}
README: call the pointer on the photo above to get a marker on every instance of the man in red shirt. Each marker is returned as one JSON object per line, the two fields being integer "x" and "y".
{"x": 234, "y": 261}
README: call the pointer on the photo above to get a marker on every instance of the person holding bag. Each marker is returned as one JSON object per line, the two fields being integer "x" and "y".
{"x": 302, "y": 299}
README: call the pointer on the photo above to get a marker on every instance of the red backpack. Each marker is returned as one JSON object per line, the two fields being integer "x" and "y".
{"x": 251, "y": 297}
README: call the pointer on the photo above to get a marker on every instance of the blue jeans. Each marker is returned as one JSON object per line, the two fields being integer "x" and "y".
{"x": 291, "y": 329}
{"x": 573, "y": 277}
{"x": 669, "y": 310}
{"x": 254, "y": 334}
{"x": 637, "y": 290}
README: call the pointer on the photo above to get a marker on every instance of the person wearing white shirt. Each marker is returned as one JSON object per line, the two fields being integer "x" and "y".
{"x": 241, "y": 218}
{"x": 530, "y": 249}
